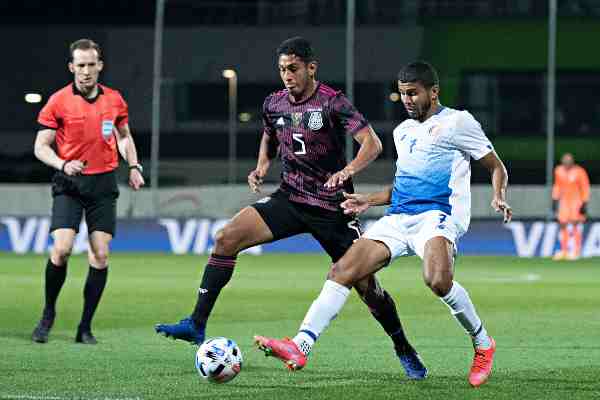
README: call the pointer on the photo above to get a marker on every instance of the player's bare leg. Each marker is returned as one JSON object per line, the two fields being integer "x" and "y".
{"x": 438, "y": 273}
{"x": 361, "y": 260}
{"x": 246, "y": 229}
{"x": 56, "y": 272}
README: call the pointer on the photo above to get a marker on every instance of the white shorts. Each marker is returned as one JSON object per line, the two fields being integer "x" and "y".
{"x": 406, "y": 235}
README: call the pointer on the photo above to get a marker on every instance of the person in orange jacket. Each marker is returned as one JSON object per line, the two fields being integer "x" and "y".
{"x": 570, "y": 195}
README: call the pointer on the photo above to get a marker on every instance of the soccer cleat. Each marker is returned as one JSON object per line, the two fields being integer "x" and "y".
{"x": 85, "y": 337}
{"x": 482, "y": 365}
{"x": 559, "y": 256}
{"x": 412, "y": 364}
{"x": 42, "y": 329}
{"x": 183, "y": 330}
{"x": 284, "y": 349}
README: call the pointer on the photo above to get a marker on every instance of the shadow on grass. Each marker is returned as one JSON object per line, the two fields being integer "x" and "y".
{"x": 25, "y": 337}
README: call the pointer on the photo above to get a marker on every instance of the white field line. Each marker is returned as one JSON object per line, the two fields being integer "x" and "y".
{"x": 510, "y": 279}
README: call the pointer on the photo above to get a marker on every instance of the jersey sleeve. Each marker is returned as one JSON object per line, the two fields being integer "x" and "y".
{"x": 268, "y": 127}
{"x": 584, "y": 183}
{"x": 48, "y": 116}
{"x": 470, "y": 138}
{"x": 344, "y": 114}
{"x": 123, "y": 112}
{"x": 556, "y": 187}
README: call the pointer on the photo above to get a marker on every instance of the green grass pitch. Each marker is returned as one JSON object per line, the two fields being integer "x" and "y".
{"x": 544, "y": 315}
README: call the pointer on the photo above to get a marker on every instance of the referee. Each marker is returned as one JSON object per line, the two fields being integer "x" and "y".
{"x": 87, "y": 123}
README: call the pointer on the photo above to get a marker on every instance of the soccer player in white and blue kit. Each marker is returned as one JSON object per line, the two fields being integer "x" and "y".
{"x": 430, "y": 206}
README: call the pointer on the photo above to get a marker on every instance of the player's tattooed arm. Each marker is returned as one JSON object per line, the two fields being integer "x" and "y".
{"x": 357, "y": 203}
{"x": 370, "y": 148}
{"x": 266, "y": 152}
{"x": 492, "y": 162}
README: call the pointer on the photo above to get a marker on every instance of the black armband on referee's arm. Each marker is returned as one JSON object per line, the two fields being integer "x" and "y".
{"x": 554, "y": 205}
{"x": 137, "y": 166}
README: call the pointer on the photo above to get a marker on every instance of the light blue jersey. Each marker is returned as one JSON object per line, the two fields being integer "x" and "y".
{"x": 433, "y": 169}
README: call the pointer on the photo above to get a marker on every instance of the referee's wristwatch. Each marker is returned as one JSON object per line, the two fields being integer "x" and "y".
{"x": 138, "y": 167}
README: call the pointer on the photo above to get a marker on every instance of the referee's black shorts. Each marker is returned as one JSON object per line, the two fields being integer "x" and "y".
{"x": 334, "y": 230}
{"x": 96, "y": 195}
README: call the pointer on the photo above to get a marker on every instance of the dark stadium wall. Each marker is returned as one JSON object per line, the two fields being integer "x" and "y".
{"x": 507, "y": 44}
{"x": 200, "y": 55}
{"x": 35, "y": 62}
{"x": 39, "y": 59}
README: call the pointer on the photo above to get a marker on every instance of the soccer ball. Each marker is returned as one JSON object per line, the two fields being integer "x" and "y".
{"x": 219, "y": 360}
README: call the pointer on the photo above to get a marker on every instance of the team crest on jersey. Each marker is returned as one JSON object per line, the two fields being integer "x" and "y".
{"x": 315, "y": 122}
{"x": 296, "y": 118}
{"x": 107, "y": 129}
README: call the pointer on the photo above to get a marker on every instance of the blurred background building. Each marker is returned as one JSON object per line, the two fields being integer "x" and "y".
{"x": 491, "y": 55}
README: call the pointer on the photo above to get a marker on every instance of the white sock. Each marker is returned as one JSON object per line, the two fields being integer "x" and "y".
{"x": 463, "y": 310}
{"x": 323, "y": 310}
{"x": 305, "y": 341}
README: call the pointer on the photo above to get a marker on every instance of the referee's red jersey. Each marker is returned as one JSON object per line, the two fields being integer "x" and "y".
{"x": 85, "y": 128}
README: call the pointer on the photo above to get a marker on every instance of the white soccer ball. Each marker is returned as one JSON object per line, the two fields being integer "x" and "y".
{"x": 219, "y": 360}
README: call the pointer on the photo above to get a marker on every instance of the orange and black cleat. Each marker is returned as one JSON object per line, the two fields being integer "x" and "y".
{"x": 284, "y": 349}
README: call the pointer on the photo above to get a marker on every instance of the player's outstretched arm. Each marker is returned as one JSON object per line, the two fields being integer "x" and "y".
{"x": 266, "y": 152}
{"x": 370, "y": 148}
{"x": 499, "y": 184}
{"x": 357, "y": 203}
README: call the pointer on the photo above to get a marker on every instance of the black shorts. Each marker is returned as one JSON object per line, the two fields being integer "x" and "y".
{"x": 334, "y": 230}
{"x": 96, "y": 195}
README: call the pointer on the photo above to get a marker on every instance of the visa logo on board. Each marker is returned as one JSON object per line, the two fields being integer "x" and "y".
{"x": 196, "y": 236}
{"x": 541, "y": 239}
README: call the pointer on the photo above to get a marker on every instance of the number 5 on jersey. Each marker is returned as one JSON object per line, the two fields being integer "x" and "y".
{"x": 300, "y": 146}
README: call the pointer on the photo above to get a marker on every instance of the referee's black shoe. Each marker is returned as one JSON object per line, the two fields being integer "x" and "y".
{"x": 85, "y": 337}
{"x": 42, "y": 329}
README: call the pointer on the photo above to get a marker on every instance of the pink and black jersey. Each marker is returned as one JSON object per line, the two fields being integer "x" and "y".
{"x": 311, "y": 136}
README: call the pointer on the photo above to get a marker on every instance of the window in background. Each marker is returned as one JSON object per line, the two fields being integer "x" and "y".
{"x": 514, "y": 102}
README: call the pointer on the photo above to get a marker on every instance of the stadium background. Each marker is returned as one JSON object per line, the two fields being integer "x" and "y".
{"x": 492, "y": 58}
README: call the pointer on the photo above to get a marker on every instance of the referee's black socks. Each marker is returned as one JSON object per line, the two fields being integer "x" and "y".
{"x": 217, "y": 274}
{"x": 92, "y": 292}
{"x": 55, "y": 277}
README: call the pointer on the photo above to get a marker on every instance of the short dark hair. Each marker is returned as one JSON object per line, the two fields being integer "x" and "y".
{"x": 299, "y": 47}
{"x": 419, "y": 71}
{"x": 84, "y": 44}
